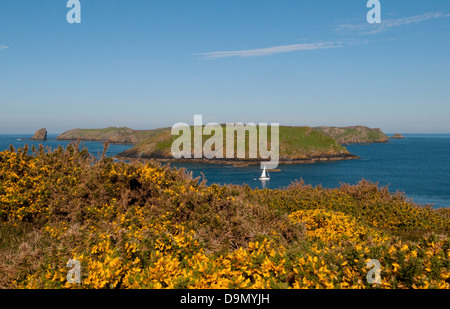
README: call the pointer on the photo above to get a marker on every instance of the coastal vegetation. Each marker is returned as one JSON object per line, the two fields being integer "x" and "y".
{"x": 147, "y": 225}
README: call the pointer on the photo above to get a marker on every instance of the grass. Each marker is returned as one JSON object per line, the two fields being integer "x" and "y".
{"x": 294, "y": 143}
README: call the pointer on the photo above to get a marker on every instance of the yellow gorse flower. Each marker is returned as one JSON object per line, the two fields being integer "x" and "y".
{"x": 148, "y": 226}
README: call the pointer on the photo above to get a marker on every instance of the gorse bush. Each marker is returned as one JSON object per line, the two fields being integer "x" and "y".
{"x": 146, "y": 225}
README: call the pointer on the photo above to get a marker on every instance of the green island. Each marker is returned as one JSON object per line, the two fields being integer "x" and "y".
{"x": 113, "y": 135}
{"x": 298, "y": 144}
{"x": 147, "y": 225}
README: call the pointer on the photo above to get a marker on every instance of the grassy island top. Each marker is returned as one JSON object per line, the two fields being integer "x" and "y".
{"x": 121, "y": 135}
{"x": 294, "y": 143}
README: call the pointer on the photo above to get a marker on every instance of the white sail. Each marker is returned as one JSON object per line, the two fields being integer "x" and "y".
{"x": 263, "y": 175}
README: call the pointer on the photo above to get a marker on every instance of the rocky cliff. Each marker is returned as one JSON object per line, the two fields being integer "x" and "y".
{"x": 40, "y": 135}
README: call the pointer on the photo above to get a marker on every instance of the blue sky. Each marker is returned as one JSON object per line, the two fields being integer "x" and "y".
{"x": 148, "y": 64}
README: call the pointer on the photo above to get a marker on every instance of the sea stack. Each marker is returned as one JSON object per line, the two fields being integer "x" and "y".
{"x": 40, "y": 135}
{"x": 397, "y": 136}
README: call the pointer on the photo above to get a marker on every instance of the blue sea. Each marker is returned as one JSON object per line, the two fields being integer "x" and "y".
{"x": 418, "y": 165}
{"x": 19, "y": 140}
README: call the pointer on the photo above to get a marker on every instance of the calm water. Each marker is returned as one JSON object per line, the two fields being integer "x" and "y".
{"x": 418, "y": 165}
{"x": 95, "y": 148}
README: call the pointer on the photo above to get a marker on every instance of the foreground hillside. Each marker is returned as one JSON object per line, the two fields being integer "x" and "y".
{"x": 296, "y": 144}
{"x": 150, "y": 226}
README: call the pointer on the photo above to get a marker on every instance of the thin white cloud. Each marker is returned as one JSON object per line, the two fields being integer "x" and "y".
{"x": 271, "y": 50}
{"x": 2, "y": 47}
{"x": 388, "y": 24}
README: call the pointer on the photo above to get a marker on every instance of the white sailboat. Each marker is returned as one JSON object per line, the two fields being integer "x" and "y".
{"x": 265, "y": 175}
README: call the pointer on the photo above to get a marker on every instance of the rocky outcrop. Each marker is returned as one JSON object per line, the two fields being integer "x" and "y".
{"x": 40, "y": 135}
{"x": 397, "y": 136}
{"x": 354, "y": 134}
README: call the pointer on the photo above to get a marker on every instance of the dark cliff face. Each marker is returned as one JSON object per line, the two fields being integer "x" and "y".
{"x": 40, "y": 135}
